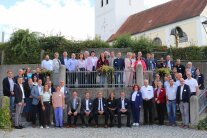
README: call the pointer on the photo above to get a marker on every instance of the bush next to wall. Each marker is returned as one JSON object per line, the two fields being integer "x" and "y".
{"x": 5, "y": 122}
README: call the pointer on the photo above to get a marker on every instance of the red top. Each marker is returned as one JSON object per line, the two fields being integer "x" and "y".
{"x": 162, "y": 95}
{"x": 143, "y": 65}
{"x": 100, "y": 63}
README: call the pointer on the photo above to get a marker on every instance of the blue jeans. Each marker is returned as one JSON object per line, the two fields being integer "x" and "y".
{"x": 171, "y": 109}
{"x": 58, "y": 116}
{"x": 119, "y": 74}
{"x": 12, "y": 103}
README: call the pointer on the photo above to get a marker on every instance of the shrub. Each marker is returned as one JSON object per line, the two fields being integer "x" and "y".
{"x": 5, "y": 122}
{"x": 123, "y": 41}
{"x": 202, "y": 125}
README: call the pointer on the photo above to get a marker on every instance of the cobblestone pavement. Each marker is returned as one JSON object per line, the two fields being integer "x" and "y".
{"x": 140, "y": 132}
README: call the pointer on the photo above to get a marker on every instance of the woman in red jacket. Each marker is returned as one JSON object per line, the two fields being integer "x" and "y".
{"x": 140, "y": 61}
{"x": 160, "y": 97}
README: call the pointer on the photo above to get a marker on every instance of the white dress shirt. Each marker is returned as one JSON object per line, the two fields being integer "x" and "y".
{"x": 171, "y": 92}
{"x": 122, "y": 104}
{"x": 40, "y": 89}
{"x": 62, "y": 89}
{"x": 47, "y": 64}
{"x": 87, "y": 103}
{"x": 169, "y": 65}
{"x": 192, "y": 84}
{"x": 23, "y": 96}
{"x": 181, "y": 92}
{"x": 147, "y": 92}
{"x": 134, "y": 96}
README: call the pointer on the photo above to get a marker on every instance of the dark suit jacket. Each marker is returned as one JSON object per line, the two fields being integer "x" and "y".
{"x": 119, "y": 64}
{"x": 185, "y": 94}
{"x": 6, "y": 87}
{"x": 138, "y": 100}
{"x": 96, "y": 104}
{"x": 200, "y": 80}
{"x": 126, "y": 103}
{"x": 180, "y": 69}
{"x": 27, "y": 90}
{"x": 83, "y": 105}
{"x": 62, "y": 60}
{"x": 17, "y": 93}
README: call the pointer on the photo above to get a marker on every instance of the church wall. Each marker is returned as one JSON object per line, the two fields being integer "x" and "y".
{"x": 192, "y": 27}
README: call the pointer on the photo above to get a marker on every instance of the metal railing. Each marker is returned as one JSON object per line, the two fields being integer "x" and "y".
{"x": 202, "y": 99}
{"x": 90, "y": 79}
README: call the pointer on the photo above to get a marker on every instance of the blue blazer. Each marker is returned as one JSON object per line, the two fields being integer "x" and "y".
{"x": 138, "y": 100}
{"x": 185, "y": 94}
{"x": 35, "y": 94}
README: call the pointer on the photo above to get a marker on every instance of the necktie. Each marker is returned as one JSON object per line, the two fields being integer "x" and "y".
{"x": 99, "y": 108}
{"x": 101, "y": 105}
{"x": 74, "y": 104}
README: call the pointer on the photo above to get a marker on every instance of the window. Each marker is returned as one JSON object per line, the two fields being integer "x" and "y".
{"x": 102, "y": 3}
{"x": 157, "y": 41}
{"x": 184, "y": 38}
{"x": 107, "y": 1}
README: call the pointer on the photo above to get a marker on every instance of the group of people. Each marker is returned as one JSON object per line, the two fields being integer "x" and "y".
{"x": 34, "y": 94}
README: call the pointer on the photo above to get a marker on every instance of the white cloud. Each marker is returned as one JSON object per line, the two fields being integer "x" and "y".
{"x": 71, "y": 18}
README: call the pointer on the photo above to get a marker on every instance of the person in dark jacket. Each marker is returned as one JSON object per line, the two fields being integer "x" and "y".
{"x": 8, "y": 88}
{"x": 100, "y": 108}
{"x": 111, "y": 105}
{"x": 19, "y": 94}
{"x": 200, "y": 78}
{"x": 136, "y": 102}
{"x": 183, "y": 99}
{"x": 123, "y": 107}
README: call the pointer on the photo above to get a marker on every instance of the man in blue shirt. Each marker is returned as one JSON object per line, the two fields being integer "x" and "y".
{"x": 72, "y": 65}
{"x": 119, "y": 68}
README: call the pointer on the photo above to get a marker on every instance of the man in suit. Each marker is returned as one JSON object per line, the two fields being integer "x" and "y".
{"x": 19, "y": 94}
{"x": 86, "y": 109}
{"x": 36, "y": 105}
{"x": 123, "y": 107}
{"x": 66, "y": 92}
{"x": 183, "y": 99}
{"x": 119, "y": 65}
{"x": 73, "y": 107}
{"x": 8, "y": 88}
{"x": 63, "y": 61}
{"x": 100, "y": 108}
{"x": 37, "y": 74}
{"x": 169, "y": 63}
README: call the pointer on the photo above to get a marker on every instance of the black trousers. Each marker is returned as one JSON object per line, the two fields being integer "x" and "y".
{"x": 92, "y": 77}
{"x": 75, "y": 118}
{"x": 111, "y": 113}
{"x": 106, "y": 115}
{"x": 81, "y": 77}
{"x": 46, "y": 114}
{"x": 128, "y": 117}
{"x": 36, "y": 110}
{"x": 161, "y": 113}
{"x": 147, "y": 105}
{"x": 82, "y": 114}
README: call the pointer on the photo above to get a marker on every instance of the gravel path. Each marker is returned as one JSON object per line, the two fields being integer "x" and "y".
{"x": 141, "y": 132}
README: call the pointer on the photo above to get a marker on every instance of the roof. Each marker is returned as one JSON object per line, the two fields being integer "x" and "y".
{"x": 164, "y": 14}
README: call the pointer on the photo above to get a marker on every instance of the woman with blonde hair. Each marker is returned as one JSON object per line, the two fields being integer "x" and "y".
{"x": 128, "y": 71}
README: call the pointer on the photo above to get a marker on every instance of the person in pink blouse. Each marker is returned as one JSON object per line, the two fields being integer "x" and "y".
{"x": 58, "y": 102}
{"x": 140, "y": 61}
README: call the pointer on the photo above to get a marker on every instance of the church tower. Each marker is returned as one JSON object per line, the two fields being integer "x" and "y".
{"x": 111, "y": 14}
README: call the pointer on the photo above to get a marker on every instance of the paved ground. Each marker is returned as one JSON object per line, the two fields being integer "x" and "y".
{"x": 140, "y": 132}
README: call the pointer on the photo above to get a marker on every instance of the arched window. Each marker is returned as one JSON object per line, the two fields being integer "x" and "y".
{"x": 107, "y": 1}
{"x": 157, "y": 41}
{"x": 184, "y": 38}
{"x": 102, "y": 3}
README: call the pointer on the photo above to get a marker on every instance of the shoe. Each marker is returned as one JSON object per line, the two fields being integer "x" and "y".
{"x": 96, "y": 126}
{"x": 41, "y": 126}
{"x": 21, "y": 126}
{"x": 68, "y": 126}
{"x": 185, "y": 127}
{"x": 47, "y": 127}
{"x": 134, "y": 124}
{"x": 17, "y": 127}
{"x": 106, "y": 126}
{"x": 128, "y": 125}
{"x": 137, "y": 124}
{"x": 52, "y": 123}
{"x": 33, "y": 126}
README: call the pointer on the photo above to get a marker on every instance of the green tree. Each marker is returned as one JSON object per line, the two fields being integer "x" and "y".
{"x": 23, "y": 48}
{"x": 123, "y": 41}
